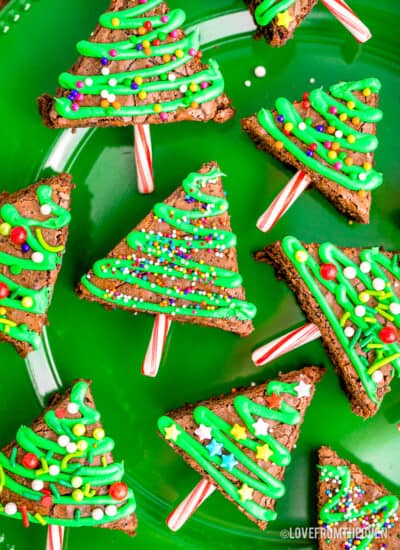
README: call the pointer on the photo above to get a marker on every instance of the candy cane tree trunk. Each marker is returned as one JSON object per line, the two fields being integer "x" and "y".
{"x": 190, "y": 504}
{"x": 144, "y": 159}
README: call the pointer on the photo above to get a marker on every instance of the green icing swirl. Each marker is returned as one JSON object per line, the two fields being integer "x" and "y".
{"x": 173, "y": 258}
{"x": 367, "y": 327}
{"x": 51, "y": 453}
{"x": 60, "y": 217}
{"x": 257, "y": 478}
{"x": 267, "y": 10}
{"x": 330, "y": 514}
{"x": 352, "y": 177}
{"x": 156, "y": 79}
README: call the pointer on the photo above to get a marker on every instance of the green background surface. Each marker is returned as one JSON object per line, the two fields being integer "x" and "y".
{"x": 108, "y": 347}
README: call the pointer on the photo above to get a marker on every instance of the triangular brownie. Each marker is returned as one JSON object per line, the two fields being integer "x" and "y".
{"x": 61, "y": 470}
{"x": 138, "y": 67}
{"x": 33, "y": 232}
{"x": 330, "y": 136}
{"x": 180, "y": 261}
{"x": 242, "y": 442}
{"x": 277, "y": 20}
{"x": 354, "y": 511}
{"x": 353, "y": 296}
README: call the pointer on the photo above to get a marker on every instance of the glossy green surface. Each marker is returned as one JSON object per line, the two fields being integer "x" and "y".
{"x": 109, "y": 346}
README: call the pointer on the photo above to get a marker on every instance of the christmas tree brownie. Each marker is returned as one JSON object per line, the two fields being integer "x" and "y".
{"x": 61, "y": 470}
{"x": 33, "y": 232}
{"x": 354, "y": 511}
{"x": 353, "y": 296}
{"x": 242, "y": 442}
{"x": 329, "y": 136}
{"x": 138, "y": 67}
{"x": 277, "y": 20}
{"x": 179, "y": 261}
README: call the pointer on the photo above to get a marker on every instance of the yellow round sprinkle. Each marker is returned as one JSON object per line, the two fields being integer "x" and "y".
{"x": 98, "y": 433}
{"x": 157, "y": 108}
{"x": 79, "y": 429}
{"x": 194, "y": 105}
{"x": 166, "y": 58}
{"x": 193, "y": 87}
{"x": 301, "y": 256}
{"x": 278, "y": 144}
{"x": 115, "y": 21}
{"x": 146, "y": 44}
{"x": 351, "y": 138}
{"x": 351, "y": 104}
{"x": 179, "y": 54}
{"x": 104, "y": 103}
{"x": 141, "y": 31}
{"x": 138, "y": 80}
{"x": 3, "y": 311}
{"x": 116, "y": 105}
{"x": 5, "y": 229}
{"x": 367, "y": 166}
{"x": 335, "y": 146}
{"x": 27, "y": 302}
{"x": 82, "y": 445}
{"x": 288, "y": 126}
{"x": 363, "y": 297}
{"x": 355, "y": 121}
{"x": 332, "y": 155}
{"x": 343, "y": 117}
{"x": 349, "y": 161}
{"x": 367, "y": 92}
{"x": 142, "y": 95}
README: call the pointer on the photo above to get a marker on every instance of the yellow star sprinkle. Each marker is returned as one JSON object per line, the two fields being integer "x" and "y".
{"x": 239, "y": 432}
{"x": 172, "y": 433}
{"x": 284, "y": 19}
{"x": 245, "y": 492}
{"x": 263, "y": 452}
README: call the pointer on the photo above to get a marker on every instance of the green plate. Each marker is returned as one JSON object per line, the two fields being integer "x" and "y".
{"x": 108, "y": 347}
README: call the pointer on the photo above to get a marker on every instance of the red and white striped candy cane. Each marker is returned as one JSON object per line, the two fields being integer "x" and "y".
{"x": 286, "y": 343}
{"x": 144, "y": 159}
{"x": 289, "y": 194}
{"x": 152, "y": 360}
{"x": 55, "y": 537}
{"x": 191, "y": 503}
{"x": 349, "y": 19}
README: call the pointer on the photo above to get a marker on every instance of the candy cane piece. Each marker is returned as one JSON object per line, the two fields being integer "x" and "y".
{"x": 55, "y": 537}
{"x": 349, "y": 19}
{"x": 286, "y": 343}
{"x": 144, "y": 158}
{"x": 192, "y": 502}
{"x": 289, "y": 194}
{"x": 159, "y": 334}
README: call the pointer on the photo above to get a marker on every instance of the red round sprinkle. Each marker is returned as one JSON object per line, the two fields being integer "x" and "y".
{"x": 30, "y": 461}
{"x": 156, "y": 42}
{"x": 148, "y": 26}
{"x": 388, "y": 335}
{"x": 46, "y": 501}
{"x": 61, "y": 413}
{"x": 306, "y": 104}
{"x": 313, "y": 146}
{"x": 18, "y": 235}
{"x": 4, "y": 291}
{"x": 328, "y": 272}
{"x": 118, "y": 491}
{"x": 306, "y": 95}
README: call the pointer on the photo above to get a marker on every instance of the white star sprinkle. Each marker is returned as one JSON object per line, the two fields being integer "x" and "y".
{"x": 303, "y": 389}
{"x": 260, "y": 427}
{"x": 203, "y": 432}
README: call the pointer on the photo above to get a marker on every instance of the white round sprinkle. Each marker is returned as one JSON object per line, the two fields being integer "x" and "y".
{"x": 339, "y": 134}
{"x": 112, "y": 82}
{"x": 360, "y": 311}
{"x": 104, "y": 94}
{"x": 89, "y": 82}
{"x": 37, "y": 485}
{"x": 37, "y": 257}
{"x": 349, "y": 272}
{"x": 312, "y": 80}
{"x": 183, "y": 89}
{"x": 105, "y": 71}
{"x": 97, "y": 514}
{"x": 76, "y": 482}
{"x": 63, "y": 440}
{"x": 54, "y": 470}
{"x": 73, "y": 408}
{"x": 260, "y": 71}
{"x": 247, "y": 83}
{"x": 45, "y": 209}
{"x": 112, "y": 98}
{"x": 302, "y": 126}
{"x": 378, "y": 284}
{"x": 362, "y": 176}
{"x": 111, "y": 510}
{"x": 349, "y": 332}
{"x": 71, "y": 447}
{"x": 172, "y": 77}
{"x": 10, "y": 508}
{"x": 377, "y": 376}
{"x": 394, "y": 308}
{"x": 365, "y": 267}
